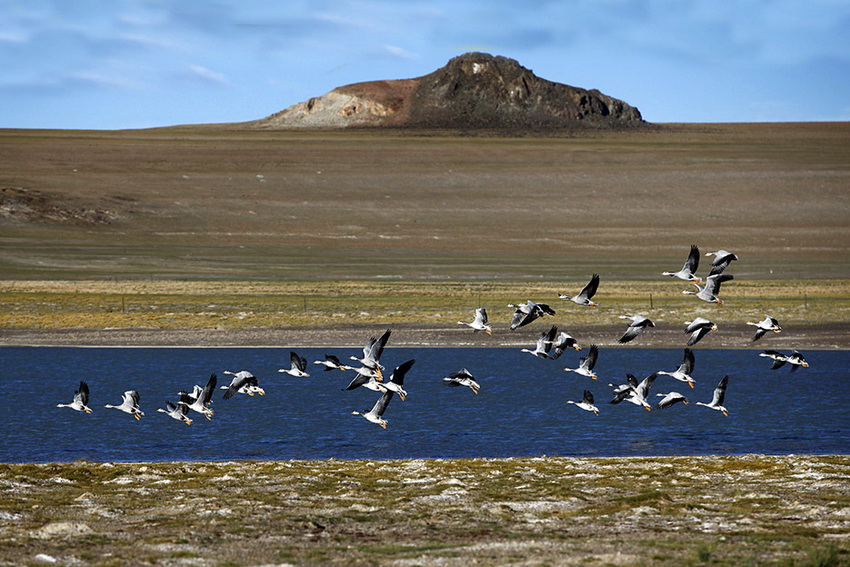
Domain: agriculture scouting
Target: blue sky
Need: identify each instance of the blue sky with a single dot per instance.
(139, 63)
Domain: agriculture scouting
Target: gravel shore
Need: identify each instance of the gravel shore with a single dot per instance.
(826, 336)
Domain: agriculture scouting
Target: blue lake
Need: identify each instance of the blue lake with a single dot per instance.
(521, 409)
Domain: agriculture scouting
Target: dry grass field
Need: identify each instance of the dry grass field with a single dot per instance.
(217, 235)
(217, 203)
(814, 314)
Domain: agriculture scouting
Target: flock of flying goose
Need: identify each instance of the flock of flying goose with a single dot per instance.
(368, 375)
(550, 345)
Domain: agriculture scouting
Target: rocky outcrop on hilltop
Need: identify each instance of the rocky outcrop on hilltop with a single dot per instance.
(473, 90)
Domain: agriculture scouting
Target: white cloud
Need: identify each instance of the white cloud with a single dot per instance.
(13, 36)
(102, 80)
(208, 75)
(400, 52)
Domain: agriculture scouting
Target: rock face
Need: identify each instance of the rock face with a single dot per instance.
(473, 90)
(19, 204)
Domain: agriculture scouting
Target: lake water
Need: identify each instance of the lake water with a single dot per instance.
(521, 409)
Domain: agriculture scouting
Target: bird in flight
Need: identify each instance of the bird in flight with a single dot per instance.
(585, 295)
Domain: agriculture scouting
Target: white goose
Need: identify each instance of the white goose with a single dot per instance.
(462, 378)
(525, 313)
(297, 366)
(332, 362)
(396, 381)
(698, 328)
(683, 372)
(177, 412)
(669, 399)
(778, 358)
(562, 342)
(635, 394)
(796, 359)
(367, 381)
(586, 403)
(716, 402)
(243, 382)
(129, 404)
(544, 344)
(631, 383)
(200, 398)
(722, 259)
(376, 414)
(81, 399)
(373, 373)
(586, 364)
(637, 326)
(765, 326)
(709, 291)
(372, 353)
(689, 270)
(584, 296)
(479, 322)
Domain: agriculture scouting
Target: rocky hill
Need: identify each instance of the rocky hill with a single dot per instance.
(473, 90)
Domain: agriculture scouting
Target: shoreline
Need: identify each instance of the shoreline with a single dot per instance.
(401, 460)
(825, 336)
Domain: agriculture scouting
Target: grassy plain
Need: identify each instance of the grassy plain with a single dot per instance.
(425, 312)
(746, 510)
(228, 204)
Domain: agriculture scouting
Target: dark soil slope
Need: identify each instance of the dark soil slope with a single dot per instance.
(473, 90)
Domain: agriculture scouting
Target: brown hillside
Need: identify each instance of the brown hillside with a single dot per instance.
(473, 90)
